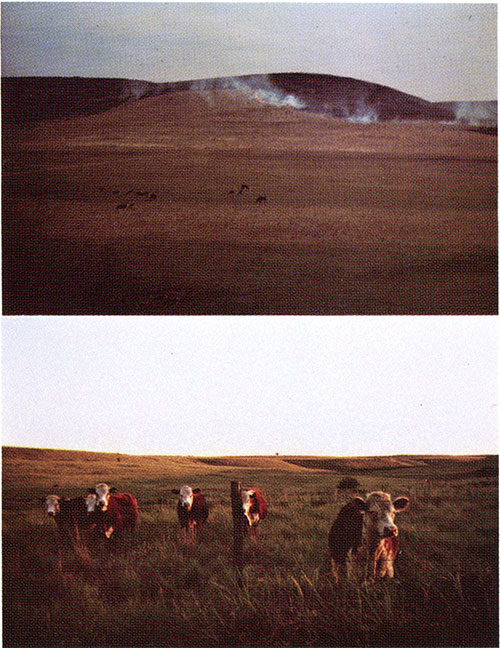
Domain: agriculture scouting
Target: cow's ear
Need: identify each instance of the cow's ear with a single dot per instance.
(112, 489)
(401, 503)
(176, 491)
(196, 491)
(359, 503)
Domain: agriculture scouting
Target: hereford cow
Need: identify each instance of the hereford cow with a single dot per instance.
(363, 539)
(192, 510)
(254, 509)
(117, 512)
(73, 523)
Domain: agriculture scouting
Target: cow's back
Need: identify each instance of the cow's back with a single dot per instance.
(123, 507)
(345, 533)
(260, 503)
(200, 508)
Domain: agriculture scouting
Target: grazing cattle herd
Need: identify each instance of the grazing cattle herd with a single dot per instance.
(363, 539)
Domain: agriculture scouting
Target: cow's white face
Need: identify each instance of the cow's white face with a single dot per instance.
(380, 513)
(186, 497)
(246, 502)
(102, 496)
(91, 501)
(53, 503)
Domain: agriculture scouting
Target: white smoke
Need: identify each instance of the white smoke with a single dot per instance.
(364, 113)
(256, 87)
(136, 89)
(476, 113)
(277, 98)
(361, 112)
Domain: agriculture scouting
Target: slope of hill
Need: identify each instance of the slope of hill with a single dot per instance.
(39, 98)
(26, 99)
(86, 465)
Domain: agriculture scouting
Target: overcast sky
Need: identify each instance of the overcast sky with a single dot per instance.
(435, 51)
(253, 385)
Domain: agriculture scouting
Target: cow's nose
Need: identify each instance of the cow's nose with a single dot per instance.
(390, 531)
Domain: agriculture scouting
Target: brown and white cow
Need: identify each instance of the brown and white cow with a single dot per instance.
(116, 512)
(73, 523)
(254, 509)
(192, 510)
(363, 539)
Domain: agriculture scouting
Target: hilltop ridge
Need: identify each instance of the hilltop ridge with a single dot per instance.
(27, 99)
(336, 464)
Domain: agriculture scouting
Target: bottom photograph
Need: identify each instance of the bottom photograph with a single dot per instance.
(250, 482)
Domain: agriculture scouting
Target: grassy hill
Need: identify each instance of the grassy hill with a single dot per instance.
(40, 98)
(137, 210)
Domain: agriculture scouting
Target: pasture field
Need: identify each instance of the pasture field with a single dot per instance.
(155, 591)
(138, 210)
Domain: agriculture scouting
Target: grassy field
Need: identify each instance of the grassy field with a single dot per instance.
(382, 218)
(155, 591)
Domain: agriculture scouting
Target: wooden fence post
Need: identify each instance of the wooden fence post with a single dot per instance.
(237, 524)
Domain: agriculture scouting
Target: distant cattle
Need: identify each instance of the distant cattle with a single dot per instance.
(254, 509)
(363, 539)
(117, 512)
(73, 523)
(192, 510)
(260, 199)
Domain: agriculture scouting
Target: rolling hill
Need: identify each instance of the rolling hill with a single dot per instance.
(39, 98)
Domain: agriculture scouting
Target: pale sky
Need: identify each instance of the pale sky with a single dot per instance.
(435, 51)
(252, 385)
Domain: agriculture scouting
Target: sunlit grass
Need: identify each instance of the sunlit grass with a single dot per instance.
(157, 591)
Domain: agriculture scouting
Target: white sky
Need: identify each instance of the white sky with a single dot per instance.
(435, 51)
(251, 385)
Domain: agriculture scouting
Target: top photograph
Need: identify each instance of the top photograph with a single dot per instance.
(249, 159)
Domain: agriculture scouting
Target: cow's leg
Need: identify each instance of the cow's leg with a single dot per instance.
(370, 569)
(254, 534)
(339, 571)
(335, 571)
(183, 535)
(381, 568)
(79, 545)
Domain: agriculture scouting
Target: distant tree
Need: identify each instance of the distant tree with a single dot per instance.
(348, 483)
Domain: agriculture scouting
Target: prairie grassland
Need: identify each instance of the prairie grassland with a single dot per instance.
(390, 218)
(155, 591)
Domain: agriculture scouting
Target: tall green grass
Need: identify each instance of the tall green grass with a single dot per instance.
(155, 591)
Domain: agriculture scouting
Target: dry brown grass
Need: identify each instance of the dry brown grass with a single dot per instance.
(359, 218)
(153, 591)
